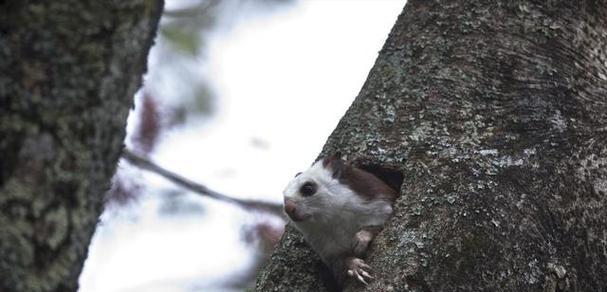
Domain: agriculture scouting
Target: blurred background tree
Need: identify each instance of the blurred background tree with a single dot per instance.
(69, 71)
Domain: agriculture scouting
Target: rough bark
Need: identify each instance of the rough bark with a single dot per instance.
(69, 72)
(495, 113)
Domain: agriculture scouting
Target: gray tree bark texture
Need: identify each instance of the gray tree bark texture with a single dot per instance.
(69, 69)
(495, 113)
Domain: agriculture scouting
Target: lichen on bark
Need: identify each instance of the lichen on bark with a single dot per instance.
(495, 112)
(69, 72)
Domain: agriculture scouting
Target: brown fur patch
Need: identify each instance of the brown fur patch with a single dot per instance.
(360, 181)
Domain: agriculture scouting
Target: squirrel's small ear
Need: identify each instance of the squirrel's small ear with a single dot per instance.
(335, 164)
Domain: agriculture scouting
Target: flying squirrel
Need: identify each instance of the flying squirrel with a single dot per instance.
(339, 209)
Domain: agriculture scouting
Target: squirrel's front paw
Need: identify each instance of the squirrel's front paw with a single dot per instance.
(361, 242)
(358, 269)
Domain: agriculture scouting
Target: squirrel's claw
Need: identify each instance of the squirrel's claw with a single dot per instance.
(356, 268)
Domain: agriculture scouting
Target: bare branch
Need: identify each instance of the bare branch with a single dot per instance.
(200, 189)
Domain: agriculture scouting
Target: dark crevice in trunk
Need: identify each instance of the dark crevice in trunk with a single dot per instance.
(392, 177)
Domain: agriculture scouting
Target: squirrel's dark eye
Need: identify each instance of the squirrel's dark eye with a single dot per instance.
(307, 189)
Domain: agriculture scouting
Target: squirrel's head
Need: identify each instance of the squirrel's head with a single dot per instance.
(317, 192)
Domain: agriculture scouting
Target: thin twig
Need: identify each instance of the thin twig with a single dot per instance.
(148, 165)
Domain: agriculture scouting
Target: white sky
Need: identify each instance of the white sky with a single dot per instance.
(282, 81)
(285, 79)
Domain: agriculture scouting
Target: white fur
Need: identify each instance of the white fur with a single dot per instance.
(336, 212)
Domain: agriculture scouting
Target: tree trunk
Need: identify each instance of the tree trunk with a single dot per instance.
(69, 72)
(495, 113)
